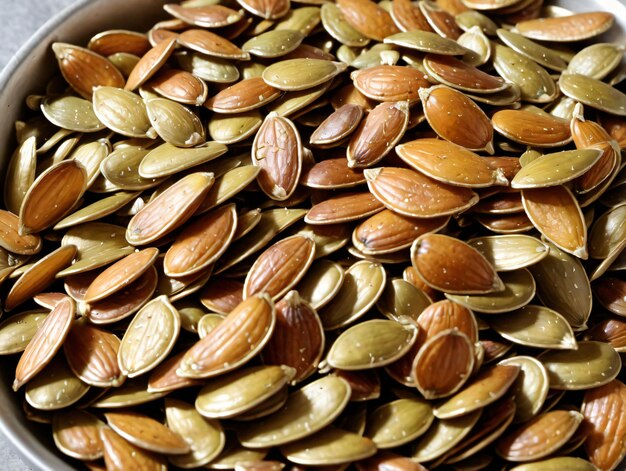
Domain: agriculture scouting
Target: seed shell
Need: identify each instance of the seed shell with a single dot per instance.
(530, 388)
(120, 454)
(77, 434)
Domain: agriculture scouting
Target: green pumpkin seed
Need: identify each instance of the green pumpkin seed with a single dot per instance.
(275, 43)
(557, 464)
(124, 62)
(303, 19)
(91, 155)
(510, 252)
(17, 331)
(56, 387)
(174, 123)
(530, 388)
(507, 97)
(327, 239)
(20, 174)
(336, 25)
(555, 169)
(608, 233)
(205, 437)
(72, 113)
(321, 283)
(596, 61)
(167, 159)
(519, 290)
(307, 410)
(477, 44)
(535, 326)
(74, 432)
(330, 447)
(473, 19)
(532, 50)
(376, 55)
(529, 156)
(98, 244)
(251, 70)
(442, 436)
(564, 108)
(149, 338)
(207, 323)
(399, 422)
(536, 85)
(371, 344)
(563, 285)
(238, 392)
(227, 186)
(121, 168)
(131, 393)
(97, 210)
(593, 93)
(363, 284)
(291, 102)
(267, 407)
(591, 365)
(301, 74)
(233, 128)
(210, 69)
(122, 111)
(234, 454)
(402, 299)
(425, 41)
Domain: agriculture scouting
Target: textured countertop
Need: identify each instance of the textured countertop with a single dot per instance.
(19, 19)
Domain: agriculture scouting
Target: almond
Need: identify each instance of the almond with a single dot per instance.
(458, 74)
(150, 63)
(531, 128)
(390, 83)
(246, 95)
(179, 86)
(340, 124)
(332, 174)
(408, 17)
(368, 18)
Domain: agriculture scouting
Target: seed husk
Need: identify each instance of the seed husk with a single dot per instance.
(211, 44)
(457, 74)
(368, 18)
(149, 64)
(307, 410)
(174, 123)
(530, 388)
(71, 113)
(398, 422)
(321, 283)
(77, 434)
(120, 454)
(596, 61)
(338, 27)
(425, 41)
(510, 252)
(20, 174)
(287, 75)
(593, 93)
(389, 83)
(535, 51)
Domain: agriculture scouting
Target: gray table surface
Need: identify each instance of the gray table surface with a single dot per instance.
(18, 20)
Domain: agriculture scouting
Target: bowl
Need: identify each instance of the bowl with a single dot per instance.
(27, 72)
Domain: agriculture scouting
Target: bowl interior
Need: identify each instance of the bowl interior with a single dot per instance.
(27, 73)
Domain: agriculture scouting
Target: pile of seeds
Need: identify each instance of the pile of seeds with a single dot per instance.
(310, 235)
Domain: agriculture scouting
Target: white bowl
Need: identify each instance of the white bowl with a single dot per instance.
(27, 73)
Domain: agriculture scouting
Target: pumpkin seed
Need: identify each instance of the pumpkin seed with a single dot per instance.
(72, 113)
(530, 388)
(122, 111)
(510, 252)
(596, 61)
(593, 93)
(56, 387)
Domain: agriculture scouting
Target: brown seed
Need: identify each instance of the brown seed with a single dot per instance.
(408, 16)
(611, 293)
(340, 124)
(244, 96)
(388, 461)
(450, 265)
(440, 20)
(539, 437)
(164, 378)
(532, 129)
(39, 276)
(278, 151)
(280, 267)
(390, 83)
(208, 16)
(567, 28)
(147, 433)
(458, 74)
(67, 181)
(211, 44)
(457, 119)
(450, 163)
(77, 434)
(383, 127)
(612, 331)
(222, 295)
(332, 174)
(604, 410)
(169, 209)
(298, 338)
(445, 315)
(150, 64)
(233, 342)
(388, 232)
(84, 69)
(201, 243)
(556, 214)
(412, 194)
(10, 238)
(179, 86)
(112, 42)
(92, 355)
(121, 274)
(268, 9)
(120, 455)
(443, 364)
(45, 343)
(368, 18)
(344, 208)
